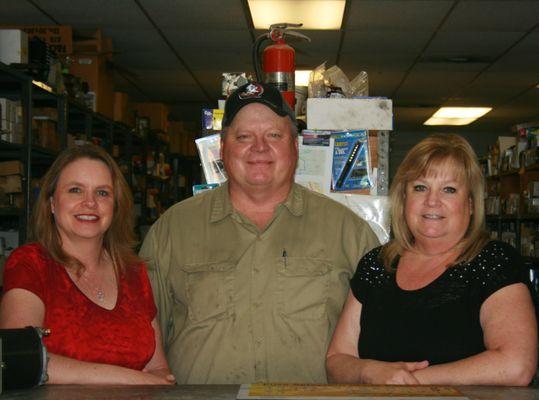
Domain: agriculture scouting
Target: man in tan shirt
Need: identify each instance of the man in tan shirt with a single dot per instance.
(250, 278)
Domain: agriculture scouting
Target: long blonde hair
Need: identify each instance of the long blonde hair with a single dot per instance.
(429, 153)
(119, 241)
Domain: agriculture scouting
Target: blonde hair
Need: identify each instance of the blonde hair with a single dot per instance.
(119, 240)
(425, 156)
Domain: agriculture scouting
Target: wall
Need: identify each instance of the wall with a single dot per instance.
(401, 142)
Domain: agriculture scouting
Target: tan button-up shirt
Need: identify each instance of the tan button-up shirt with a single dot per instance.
(237, 305)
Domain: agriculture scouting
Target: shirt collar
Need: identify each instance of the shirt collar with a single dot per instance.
(222, 206)
(295, 200)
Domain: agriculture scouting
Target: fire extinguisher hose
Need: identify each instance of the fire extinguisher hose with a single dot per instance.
(256, 53)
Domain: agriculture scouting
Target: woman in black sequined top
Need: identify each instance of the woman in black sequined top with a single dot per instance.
(440, 303)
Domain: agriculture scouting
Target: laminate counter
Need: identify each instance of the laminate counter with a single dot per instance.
(218, 392)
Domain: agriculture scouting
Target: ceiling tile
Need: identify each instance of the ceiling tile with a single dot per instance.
(495, 15)
(471, 44)
(396, 15)
(200, 15)
(92, 14)
(18, 12)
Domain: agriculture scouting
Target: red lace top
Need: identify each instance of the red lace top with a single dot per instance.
(81, 329)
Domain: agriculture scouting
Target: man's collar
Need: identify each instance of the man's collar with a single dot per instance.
(295, 200)
(222, 206)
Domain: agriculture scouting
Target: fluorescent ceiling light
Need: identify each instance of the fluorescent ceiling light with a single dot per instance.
(456, 115)
(302, 78)
(313, 14)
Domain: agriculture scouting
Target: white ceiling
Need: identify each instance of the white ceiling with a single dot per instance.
(174, 51)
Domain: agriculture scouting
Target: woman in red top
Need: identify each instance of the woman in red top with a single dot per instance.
(82, 279)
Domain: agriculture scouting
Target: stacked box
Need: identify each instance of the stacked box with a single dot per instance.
(182, 138)
(121, 108)
(11, 121)
(13, 46)
(59, 38)
(95, 70)
(156, 112)
(11, 184)
(90, 62)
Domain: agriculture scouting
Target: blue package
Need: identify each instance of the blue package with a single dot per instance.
(351, 161)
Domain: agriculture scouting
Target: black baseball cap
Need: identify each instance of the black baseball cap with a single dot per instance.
(254, 92)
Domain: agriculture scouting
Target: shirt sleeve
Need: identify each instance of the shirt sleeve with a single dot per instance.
(502, 266)
(155, 251)
(367, 270)
(25, 269)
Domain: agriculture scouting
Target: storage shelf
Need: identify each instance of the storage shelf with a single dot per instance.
(73, 117)
(11, 211)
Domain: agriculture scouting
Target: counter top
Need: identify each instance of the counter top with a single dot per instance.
(218, 392)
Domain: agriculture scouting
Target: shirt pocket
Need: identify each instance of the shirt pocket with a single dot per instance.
(303, 287)
(209, 290)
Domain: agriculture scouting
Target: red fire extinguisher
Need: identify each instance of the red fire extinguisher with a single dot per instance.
(278, 59)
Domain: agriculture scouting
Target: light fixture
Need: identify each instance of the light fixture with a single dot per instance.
(313, 14)
(456, 115)
(42, 86)
(302, 77)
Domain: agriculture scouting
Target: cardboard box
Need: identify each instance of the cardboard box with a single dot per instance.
(175, 130)
(58, 37)
(45, 113)
(11, 168)
(341, 114)
(88, 41)
(95, 70)
(11, 183)
(13, 46)
(8, 114)
(157, 112)
(182, 138)
(121, 107)
(504, 142)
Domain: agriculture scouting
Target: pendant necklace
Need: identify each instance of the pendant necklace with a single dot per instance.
(100, 294)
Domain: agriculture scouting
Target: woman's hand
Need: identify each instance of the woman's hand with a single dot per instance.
(162, 373)
(392, 373)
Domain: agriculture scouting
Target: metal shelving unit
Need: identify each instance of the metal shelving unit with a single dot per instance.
(72, 118)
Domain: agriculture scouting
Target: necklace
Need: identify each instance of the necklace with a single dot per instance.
(100, 295)
(99, 292)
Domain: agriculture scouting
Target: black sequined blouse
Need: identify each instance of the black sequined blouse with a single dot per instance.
(439, 322)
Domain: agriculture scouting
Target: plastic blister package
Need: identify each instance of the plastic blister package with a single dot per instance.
(373, 209)
(317, 87)
(359, 86)
(209, 149)
(324, 82)
(351, 163)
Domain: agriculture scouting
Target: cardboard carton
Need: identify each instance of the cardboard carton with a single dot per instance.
(95, 70)
(58, 37)
(11, 168)
(121, 107)
(157, 112)
(11, 183)
(13, 46)
(371, 113)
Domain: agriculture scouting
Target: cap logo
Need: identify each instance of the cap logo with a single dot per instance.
(253, 90)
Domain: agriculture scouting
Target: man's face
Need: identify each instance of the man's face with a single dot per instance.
(258, 151)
